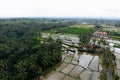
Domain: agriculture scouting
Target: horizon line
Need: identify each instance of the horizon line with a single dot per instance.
(62, 17)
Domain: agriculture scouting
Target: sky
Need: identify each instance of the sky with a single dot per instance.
(60, 8)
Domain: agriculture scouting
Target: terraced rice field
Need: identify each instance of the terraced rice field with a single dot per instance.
(76, 64)
(82, 65)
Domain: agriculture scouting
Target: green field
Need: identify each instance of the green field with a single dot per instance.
(76, 29)
(115, 37)
(83, 26)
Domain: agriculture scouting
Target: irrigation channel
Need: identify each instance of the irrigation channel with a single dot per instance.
(77, 65)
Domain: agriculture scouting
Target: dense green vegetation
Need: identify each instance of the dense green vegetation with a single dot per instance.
(23, 53)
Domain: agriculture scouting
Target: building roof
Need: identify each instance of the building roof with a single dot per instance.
(100, 32)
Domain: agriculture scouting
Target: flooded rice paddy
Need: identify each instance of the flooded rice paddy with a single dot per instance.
(78, 64)
(82, 65)
(75, 64)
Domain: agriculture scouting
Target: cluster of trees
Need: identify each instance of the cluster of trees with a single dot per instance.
(98, 27)
(23, 53)
(109, 64)
(85, 36)
(40, 23)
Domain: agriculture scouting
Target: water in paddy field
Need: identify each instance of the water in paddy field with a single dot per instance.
(81, 64)
(75, 64)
